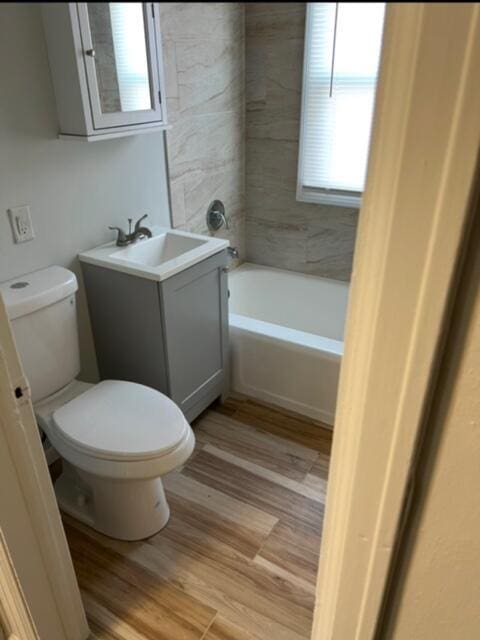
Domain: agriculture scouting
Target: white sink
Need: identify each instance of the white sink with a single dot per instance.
(158, 250)
(168, 252)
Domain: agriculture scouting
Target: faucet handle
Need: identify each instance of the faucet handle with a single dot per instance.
(121, 237)
(139, 221)
(216, 216)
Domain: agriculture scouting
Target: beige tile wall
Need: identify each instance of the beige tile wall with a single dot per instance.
(280, 231)
(214, 53)
(204, 51)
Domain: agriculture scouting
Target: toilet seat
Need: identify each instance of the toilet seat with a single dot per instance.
(65, 430)
(120, 421)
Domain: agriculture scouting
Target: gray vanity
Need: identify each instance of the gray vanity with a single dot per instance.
(159, 314)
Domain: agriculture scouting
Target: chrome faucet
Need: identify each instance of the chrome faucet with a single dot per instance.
(124, 238)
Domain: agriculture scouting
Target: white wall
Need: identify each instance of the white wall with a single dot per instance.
(437, 587)
(75, 189)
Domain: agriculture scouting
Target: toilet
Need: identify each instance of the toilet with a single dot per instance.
(116, 438)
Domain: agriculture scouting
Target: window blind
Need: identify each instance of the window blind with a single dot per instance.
(342, 52)
(128, 33)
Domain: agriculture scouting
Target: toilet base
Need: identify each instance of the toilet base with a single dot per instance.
(122, 509)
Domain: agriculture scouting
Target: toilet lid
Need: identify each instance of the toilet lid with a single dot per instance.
(121, 420)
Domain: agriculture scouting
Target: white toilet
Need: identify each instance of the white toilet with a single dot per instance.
(116, 438)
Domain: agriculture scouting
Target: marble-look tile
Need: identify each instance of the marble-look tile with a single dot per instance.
(269, 123)
(276, 245)
(225, 184)
(255, 77)
(280, 231)
(321, 237)
(207, 141)
(329, 248)
(202, 20)
(177, 203)
(279, 207)
(210, 75)
(170, 67)
(272, 164)
(284, 73)
(274, 77)
(275, 25)
(173, 110)
(204, 65)
(335, 267)
(273, 8)
(289, 247)
(235, 234)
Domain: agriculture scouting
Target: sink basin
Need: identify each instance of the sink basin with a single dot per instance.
(158, 250)
(166, 253)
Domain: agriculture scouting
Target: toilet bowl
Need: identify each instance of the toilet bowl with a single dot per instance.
(116, 438)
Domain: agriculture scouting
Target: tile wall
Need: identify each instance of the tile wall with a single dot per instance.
(243, 149)
(280, 231)
(204, 52)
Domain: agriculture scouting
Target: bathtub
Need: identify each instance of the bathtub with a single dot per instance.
(286, 337)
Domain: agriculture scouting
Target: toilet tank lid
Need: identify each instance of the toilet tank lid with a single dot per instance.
(33, 291)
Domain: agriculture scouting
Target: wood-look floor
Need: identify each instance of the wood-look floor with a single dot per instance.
(238, 558)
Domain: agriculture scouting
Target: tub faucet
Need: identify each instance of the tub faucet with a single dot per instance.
(124, 238)
(233, 252)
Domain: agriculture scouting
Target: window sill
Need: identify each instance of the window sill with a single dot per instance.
(323, 196)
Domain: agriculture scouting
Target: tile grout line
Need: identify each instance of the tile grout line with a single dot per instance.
(209, 626)
(266, 474)
(311, 467)
(280, 572)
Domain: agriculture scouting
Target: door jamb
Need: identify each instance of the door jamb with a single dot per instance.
(416, 210)
(25, 449)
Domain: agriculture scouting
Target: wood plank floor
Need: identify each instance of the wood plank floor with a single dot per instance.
(238, 558)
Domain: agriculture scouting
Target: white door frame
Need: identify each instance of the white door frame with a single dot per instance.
(416, 210)
(15, 618)
(33, 542)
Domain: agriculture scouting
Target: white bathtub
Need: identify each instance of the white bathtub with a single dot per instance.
(286, 336)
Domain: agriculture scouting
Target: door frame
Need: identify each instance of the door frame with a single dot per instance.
(416, 212)
(15, 618)
(422, 167)
(34, 545)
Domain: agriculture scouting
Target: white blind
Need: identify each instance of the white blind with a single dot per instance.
(128, 32)
(343, 43)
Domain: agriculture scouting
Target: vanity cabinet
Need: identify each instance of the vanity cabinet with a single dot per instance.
(171, 335)
(106, 65)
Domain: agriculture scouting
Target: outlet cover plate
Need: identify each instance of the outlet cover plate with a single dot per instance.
(21, 223)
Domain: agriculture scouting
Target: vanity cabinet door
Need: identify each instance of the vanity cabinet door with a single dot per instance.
(195, 312)
(121, 48)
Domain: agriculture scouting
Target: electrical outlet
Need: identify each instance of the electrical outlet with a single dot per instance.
(21, 224)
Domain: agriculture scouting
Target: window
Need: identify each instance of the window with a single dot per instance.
(342, 52)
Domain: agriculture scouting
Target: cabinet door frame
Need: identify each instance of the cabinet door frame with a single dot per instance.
(102, 121)
(168, 288)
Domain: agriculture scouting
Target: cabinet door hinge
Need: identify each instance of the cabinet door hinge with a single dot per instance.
(153, 10)
(160, 97)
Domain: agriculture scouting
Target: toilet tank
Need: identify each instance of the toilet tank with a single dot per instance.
(41, 308)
